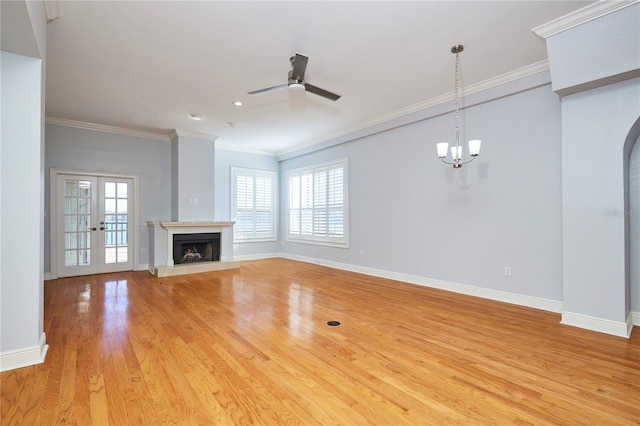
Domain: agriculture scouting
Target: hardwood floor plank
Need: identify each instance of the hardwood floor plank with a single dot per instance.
(252, 347)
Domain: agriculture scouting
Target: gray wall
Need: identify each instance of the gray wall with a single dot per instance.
(22, 78)
(602, 51)
(411, 214)
(224, 161)
(193, 173)
(79, 149)
(20, 207)
(596, 124)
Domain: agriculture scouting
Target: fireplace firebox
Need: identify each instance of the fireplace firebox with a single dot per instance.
(191, 248)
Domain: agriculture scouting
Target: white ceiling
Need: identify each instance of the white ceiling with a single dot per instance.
(146, 65)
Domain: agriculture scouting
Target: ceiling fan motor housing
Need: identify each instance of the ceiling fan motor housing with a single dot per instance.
(293, 80)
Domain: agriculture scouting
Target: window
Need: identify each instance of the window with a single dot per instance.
(317, 204)
(253, 204)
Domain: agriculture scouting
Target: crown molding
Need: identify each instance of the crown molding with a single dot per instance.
(193, 135)
(231, 147)
(581, 16)
(52, 9)
(490, 83)
(103, 128)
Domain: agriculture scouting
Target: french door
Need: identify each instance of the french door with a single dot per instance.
(94, 219)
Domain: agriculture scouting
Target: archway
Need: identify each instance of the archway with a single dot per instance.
(632, 217)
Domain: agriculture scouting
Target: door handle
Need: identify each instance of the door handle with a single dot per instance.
(93, 229)
(102, 228)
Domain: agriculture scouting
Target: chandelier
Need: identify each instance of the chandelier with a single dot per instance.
(456, 150)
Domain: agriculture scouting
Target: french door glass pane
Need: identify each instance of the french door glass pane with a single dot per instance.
(70, 188)
(84, 205)
(115, 222)
(122, 206)
(71, 257)
(70, 222)
(71, 205)
(110, 189)
(110, 255)
(77, 214)
(122, 190)
(109, 206)
(83, 257)
(122, 254)
(84, 187)
(84, 240)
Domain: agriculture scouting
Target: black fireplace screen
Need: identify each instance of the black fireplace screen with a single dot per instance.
(189, 248)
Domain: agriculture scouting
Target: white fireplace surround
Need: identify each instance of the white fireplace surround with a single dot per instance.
(162, 256)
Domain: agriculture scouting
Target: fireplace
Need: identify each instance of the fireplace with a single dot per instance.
(192, 248)
(179, 248)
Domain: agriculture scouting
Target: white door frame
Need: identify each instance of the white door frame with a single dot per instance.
(53, 215)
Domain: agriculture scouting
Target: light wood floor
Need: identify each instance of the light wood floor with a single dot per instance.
(252, 346)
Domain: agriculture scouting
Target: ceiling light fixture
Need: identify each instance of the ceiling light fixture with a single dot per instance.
(237, 103)
(195, 116)
(474, 144)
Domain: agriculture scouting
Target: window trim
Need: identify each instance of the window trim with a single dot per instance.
(242, 171)
(344, 243)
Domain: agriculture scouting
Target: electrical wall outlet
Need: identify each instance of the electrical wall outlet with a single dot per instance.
(507, 271)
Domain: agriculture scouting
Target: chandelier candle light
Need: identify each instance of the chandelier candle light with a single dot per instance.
(456, 150)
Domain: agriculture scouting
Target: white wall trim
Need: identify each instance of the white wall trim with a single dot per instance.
(602, 325)
(142, 267)
(31, 355)
(228, 146)
(48, 276)
(193, 135)
(103, 128)
(635, 318)
(259, 256)
(485, 293)
(52, 9)
(581, 16)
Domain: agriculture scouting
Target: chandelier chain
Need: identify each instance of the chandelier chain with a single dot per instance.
(456, 101)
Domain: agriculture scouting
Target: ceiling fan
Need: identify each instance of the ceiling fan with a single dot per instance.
(296, 80)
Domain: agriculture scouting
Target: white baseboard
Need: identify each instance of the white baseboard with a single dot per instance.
(32, 355)
(142, 267)
(635, 318)
(486, 293)
(48, 276)
(257, 256)
(602, 325)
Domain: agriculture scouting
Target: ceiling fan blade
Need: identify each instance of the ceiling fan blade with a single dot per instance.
(318, 91)
(268, 89)
(299, 67)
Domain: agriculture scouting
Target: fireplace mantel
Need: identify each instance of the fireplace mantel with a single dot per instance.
(163, 254)
(193, 224)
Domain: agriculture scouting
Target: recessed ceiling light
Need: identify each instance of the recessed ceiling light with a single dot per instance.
(237, 103)
(232, 123)
(195, 116)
